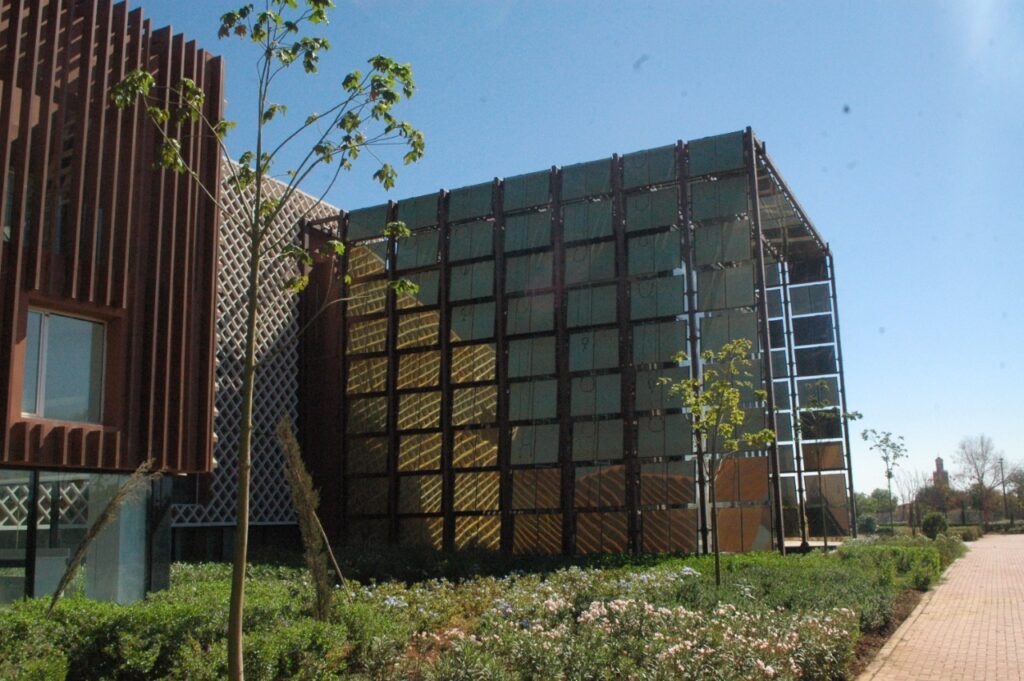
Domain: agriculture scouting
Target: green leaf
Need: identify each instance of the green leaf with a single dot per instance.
(297, 284)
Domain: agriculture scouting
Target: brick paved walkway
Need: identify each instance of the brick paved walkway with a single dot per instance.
(970, 627)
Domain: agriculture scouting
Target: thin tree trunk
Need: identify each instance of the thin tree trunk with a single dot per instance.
(236, 668)
(714, 523)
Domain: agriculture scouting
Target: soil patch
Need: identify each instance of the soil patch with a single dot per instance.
(870, 643)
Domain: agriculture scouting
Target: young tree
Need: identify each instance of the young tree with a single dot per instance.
(359, 119)
(717, 417)
(978, 461)
(891, 448)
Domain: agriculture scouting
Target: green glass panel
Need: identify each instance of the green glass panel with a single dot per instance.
(590, 350)
(652, 166)
(534, 444)
(732, 287)
(715, 154)
(591, 306)
(653, 209)
(815, 361)
(366, 222)
(587, 220)
(528, 272)
(812, 330)
(593, 440)
(593, 262)
(417, 212)
(772, 272)
(473, 322)
(722, 242)
(818, 392)
(532, 400)
(584, 437)
(531, 314)
(527, 231)
(716, 200)
(659, 252)
(718, 330)
(650, 394)
(469, 202)
(531, 357)
(595, 395)
(418, 250)
(526, 191)
(781, 394)
(656, 343)
(427, 295)
(471, 240)
(475, 280)
(784, 426)
(665, 435)
(586, 179)
(609, 439)
(662, 297)
(780, 364)
(810, 299)
(775, 303)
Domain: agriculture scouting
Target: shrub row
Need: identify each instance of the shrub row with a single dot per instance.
(640, 617)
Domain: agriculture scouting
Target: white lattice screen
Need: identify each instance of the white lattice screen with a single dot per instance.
(277, 378)
(73, 499)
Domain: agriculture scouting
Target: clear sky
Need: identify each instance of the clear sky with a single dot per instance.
(898, 125)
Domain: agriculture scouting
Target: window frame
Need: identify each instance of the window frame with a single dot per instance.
(41, 367)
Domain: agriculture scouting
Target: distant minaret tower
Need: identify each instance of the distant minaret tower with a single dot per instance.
(940, 478)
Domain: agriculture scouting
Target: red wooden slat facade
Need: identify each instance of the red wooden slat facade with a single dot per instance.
(98, 232)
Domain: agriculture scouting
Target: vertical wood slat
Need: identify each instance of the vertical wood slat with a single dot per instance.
(12, 41)
(82, 128)
(136, 53)
(207, 264)
(44, 150)
(180, 270)
(85, 271)
(160, 59)
(165, 336)
(115, 175)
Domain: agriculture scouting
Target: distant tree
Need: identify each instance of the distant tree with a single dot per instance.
(865, 505)
(891, 448)
(978, 461)
(910, 483)
(935, 498)
(714, 403)
(882, 501)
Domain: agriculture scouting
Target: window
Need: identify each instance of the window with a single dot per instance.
(63, 368)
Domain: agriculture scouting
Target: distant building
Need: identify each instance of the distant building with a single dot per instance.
(940, 477)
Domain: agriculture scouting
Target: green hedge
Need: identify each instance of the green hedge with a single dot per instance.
(497, 626)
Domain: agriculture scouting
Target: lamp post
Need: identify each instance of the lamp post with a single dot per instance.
(1006, 500)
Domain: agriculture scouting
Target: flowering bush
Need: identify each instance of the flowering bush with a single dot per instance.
(645, 618)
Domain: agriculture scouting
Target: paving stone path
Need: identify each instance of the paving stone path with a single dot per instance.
(970, 627)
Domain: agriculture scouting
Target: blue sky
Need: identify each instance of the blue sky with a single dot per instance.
(899, 127)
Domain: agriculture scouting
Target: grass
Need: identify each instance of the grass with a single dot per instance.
(461, 617)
